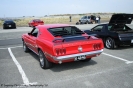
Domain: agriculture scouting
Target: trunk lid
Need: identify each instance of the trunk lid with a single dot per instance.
(121, 19)
(80, 44)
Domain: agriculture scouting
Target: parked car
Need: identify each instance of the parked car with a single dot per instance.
(60, 43)
(85, 20)
(9, 24)
(35, 22)
(116, 32)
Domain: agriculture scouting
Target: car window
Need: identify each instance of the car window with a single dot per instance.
(34, 32)
(85, 17)
(88, 17)
(109, 27)
(65, 31)
(98, 28)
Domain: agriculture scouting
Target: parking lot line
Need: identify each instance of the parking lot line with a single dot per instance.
(126, 61)
(11, 47)
(24, 77)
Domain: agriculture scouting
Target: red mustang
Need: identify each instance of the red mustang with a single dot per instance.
(60, 43)
(35, 22)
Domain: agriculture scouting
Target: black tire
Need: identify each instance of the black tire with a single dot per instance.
(86, 60)
(44, 63)
(4, 27)
(110, 43)
(87, 22)
(25, 48)
(15, 27)
(131, 45)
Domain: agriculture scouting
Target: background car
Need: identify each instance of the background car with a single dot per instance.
(35, 22)
(116, 32)
(60, 43)
(9, 24)
(87, 20)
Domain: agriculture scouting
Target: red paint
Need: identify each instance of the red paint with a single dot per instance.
(35, 22)
(45, 42)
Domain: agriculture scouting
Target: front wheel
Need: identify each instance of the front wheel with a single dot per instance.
(25, 48)
(44, 63)
(110, 43)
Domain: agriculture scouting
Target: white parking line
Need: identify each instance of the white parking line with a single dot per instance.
(122, 59)
(24, 77)
(126, 61)
(11, 47)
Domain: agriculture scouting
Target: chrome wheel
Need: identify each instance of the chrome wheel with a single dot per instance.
(41, 59)
(109, 43)
(44, 63)
(25, 48)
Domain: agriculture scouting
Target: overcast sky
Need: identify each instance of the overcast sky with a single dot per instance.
(19, 8)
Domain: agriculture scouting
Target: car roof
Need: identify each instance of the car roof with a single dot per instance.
(8, 20)
(47, 26)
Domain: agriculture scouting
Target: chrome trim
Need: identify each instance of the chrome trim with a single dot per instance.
(33, 51)
(66, 57)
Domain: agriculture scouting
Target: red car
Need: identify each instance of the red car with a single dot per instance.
(60, 43)
(35, 22)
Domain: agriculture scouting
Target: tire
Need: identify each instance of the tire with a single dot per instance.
(15, 27)
(81, 23)
(4, 27)
(110, 43)
(44, 63)
(87, 22)
(86, 60)
(25, 48)
(131, 45)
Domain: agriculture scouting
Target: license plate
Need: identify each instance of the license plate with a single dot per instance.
(80, 57)
(9, 25)
(132, 41)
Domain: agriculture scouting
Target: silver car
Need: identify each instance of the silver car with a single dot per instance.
(85, 20)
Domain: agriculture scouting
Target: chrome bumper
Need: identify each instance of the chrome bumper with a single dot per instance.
(67, 57)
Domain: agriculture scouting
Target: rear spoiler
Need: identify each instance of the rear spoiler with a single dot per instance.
(57, 40)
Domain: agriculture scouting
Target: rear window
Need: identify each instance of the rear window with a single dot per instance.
(9, 21)
(37, 20)
(65, 31)
(118, 28)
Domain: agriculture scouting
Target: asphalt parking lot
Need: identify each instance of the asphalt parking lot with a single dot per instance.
(112, 69)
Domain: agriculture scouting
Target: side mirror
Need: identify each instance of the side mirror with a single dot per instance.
(29, 33)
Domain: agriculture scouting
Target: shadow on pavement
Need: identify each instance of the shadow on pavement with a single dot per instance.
(66, 66)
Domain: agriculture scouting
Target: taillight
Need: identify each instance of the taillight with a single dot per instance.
(97, 46)
(60, 51)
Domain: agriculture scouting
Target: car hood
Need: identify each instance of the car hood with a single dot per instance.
(121, 19)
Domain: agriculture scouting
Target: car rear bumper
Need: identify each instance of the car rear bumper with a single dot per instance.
(9, 25)
(67, 57)
(125, 41)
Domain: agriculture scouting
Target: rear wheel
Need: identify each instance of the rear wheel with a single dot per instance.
(110, 43)
(15, 27)
(131, 45)
(87, 22)
(4, 27)
(44, 63)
